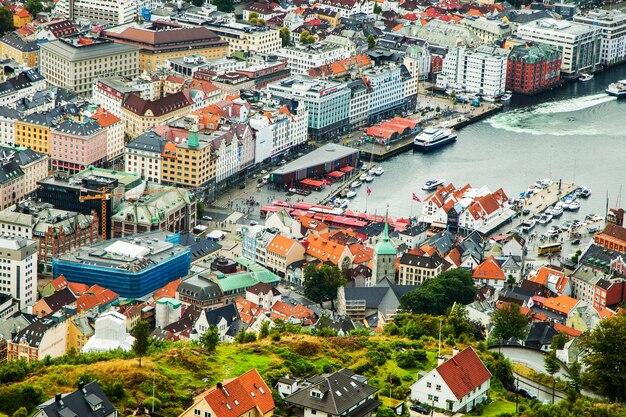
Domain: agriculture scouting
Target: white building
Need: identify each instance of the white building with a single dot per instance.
(612, 33)
(347, 8)
(246, 37)
(110, 92)
(481, 71)
(7, 125)
(457, 385)
(417, 60)
(579, 43)
(23, 84)
(143, 156)
(386, 90)
(168, 311)
(301, 58)
(116, 12)
(278, 130)
(18, 269)
(110, 334)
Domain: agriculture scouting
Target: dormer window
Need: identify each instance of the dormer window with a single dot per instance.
(316, 394)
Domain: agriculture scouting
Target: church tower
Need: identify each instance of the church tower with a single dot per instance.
(385, 254)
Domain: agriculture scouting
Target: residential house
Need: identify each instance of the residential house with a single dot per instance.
(225, 318)
(489, 273)
(110, 334)
(326, 250)
(87, 401)
(456, 385)
(39, 339)
(79, 330)
(613, 237)
(284, 223)
(53, 303)
(540, 335)
(263, 295)
(246, 395)
(552, 278)
(415, 269)
(283, 251)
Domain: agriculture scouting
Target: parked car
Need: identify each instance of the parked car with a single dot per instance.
(253, 223)
(207, 218)
(420, 408)
(526, 393)
(242, 186)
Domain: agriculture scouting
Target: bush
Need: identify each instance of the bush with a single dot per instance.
(151, 400)
(131, 404)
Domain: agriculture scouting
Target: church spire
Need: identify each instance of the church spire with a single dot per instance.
(386, 230)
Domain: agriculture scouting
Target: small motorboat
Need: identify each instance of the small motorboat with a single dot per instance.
(545, 219)
(379, 171)
(556, 211)
(527, 225)
(343, 204)
(573, 206)
(583, 192)
(363, 176)
(525, 212)
(433, 184)
(585, 77)
(369, 178)
(356, 184)
(351, 194)
(543, 183)
(506, 97)
(364, 167)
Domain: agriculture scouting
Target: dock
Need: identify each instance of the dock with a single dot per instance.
(547, 197)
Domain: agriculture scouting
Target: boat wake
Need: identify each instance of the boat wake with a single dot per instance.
(543, 119)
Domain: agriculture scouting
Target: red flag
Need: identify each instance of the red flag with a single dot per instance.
(369, 191)
(416, 198)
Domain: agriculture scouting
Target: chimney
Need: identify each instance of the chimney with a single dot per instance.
(219, 385)
(440, 360)
(455, 351)
(81, 385)
(57, 397)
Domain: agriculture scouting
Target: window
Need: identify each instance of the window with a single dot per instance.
(438, 387)
(207, 414)
(429, 385)
(313, 411)
(436, 399)
(196, 412)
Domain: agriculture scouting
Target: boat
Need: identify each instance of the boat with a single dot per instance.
(371, 171)
(543, 183)
(506, 97)
(379, 171)
(527, 225)
(489, 99)
(526, 212)
(431, 138)
(575, 242)
(363, 176)
(351, 194)
(433, 184)
(583, 192)
(617, 89)
(356, 184)
(364, 167)
(369, 178)
(573, 206)
(556, 211)
(343, 204)
(585, 77)
(544, 219)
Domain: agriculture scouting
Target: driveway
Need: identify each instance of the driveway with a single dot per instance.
(544, 393)
(531, 358)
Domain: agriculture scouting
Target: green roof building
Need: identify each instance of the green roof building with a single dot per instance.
(385, 253)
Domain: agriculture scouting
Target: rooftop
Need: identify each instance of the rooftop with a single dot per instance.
(327, 153)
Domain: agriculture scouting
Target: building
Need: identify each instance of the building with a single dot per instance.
(384, 261)
(99, 11)
(87, 401)
(20, 169)
(246, 37)
(132, 267)
(489, 273)
(330, 157)
(79, 330)
(481, 70)
(301, 58)
(415, 269)
(56, 231)
(12, 46)
(613, 237)
(246, 395)
(140, 115)
(283, 251)
(612, 32)
(579, 43)
(21, 16)
(190, 164)
(110, 334)
(532, 68)
(165, 208)
(488, 30)
(162, 40)
(348, 8)
(342, 393)
(75, 63)
(75, 145)
(21, 85)
(386, 88)
(143, 156)
(327, 102)
(39, 339)
(110, 92)
(456, 385)
(18, 272)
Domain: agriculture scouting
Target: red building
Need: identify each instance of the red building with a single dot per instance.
(436, 65)
(532, 68)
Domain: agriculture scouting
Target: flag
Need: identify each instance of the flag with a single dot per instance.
(416, 198)
(369, 191)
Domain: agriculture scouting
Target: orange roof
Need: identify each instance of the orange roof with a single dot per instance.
(59, 283)
(281, 244)
(21, 11)
(324, 249)
(489, 269)
(169, 290)
(169, 150)
(248, 311)
(311, 223)
(561, 328)
(105, 118)
(361, 253)
(283, 310)
(203, 85)
(78, 289)
(95, 296)
(454, 256)
(546, 274)
(605, 313)
(248, 390)
(474, 12)
(561, 304)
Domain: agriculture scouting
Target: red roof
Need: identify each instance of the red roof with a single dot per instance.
(248, 390)
(489, 269)
(464, 372)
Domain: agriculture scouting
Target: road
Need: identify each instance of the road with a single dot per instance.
(531, 358)
(544, 393)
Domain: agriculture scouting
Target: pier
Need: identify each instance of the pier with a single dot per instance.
(547, 197)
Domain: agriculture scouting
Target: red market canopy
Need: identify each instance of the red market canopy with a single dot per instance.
(336, 174)
(346, 169)
(312, 183)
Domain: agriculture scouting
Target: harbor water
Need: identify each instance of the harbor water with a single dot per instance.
(576, 133)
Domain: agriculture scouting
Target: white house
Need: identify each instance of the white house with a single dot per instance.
(456, 385)
(264, 295)
(110, 334)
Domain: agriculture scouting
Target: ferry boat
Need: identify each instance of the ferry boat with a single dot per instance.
(433, 184)
(585, 77)
(432, 138)
(617, 89)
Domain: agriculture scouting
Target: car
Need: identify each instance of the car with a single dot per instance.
(242, 186)
(260, 185)
(207, 218)
(526, 393)
(253, 223)
(419, 408)
(264, 172)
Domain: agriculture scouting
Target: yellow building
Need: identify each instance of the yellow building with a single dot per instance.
(34, 132)
(14, 47)
(245, 396)
(78, 332)
(191, 164)
(163, 41)
(140, 115)
(329, 16)
(21, 17)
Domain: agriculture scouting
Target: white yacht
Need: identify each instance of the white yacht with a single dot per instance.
(431, 138)
(617, 89)
(379, 171)
(433, 184)
(585, 77)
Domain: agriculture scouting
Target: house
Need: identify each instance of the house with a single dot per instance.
(87, 401)
(39, 339)
(281, 252)
(79, 331)
(489, 273)
(613, 237)
(413, 236)
(327, 250)
(246, 395)
(342, 393)
(415, 269)
(540, 335)
(552, 278)
(110, 334)
(456, 385)
(561, 304)
(225, 318)
(263, 295)
(284, 223)
(54, 302)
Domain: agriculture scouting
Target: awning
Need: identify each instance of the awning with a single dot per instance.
(312, 183)
(336, 174)
(346, 169)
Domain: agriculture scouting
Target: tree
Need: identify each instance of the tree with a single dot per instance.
(509, 322)
(285, 36)
(6, 21)
(605, 357)
(321, 283)
(306, 37)
(225, 6)
(377, 9)
(435, 296)
(141, 334)
(576, 256)
(197, 3)
(558, 341)
(264, 330)
(574, 379)
(199, 209)
(385, 412)
(253, 15)
(34, 7)
(210, 339)
(371, 42)
(551, 363)
(21, 412)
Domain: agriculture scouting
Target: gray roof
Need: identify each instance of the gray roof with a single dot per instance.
(430, 262)
(148, 142)
(199, 288)
(340, 392)
(374, 295)
(327, 153)
(81, 402)
(13, 40)
(64, 48)
(9, 171)
(87, 128)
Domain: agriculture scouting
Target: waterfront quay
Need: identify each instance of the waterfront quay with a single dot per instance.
(548, 196)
